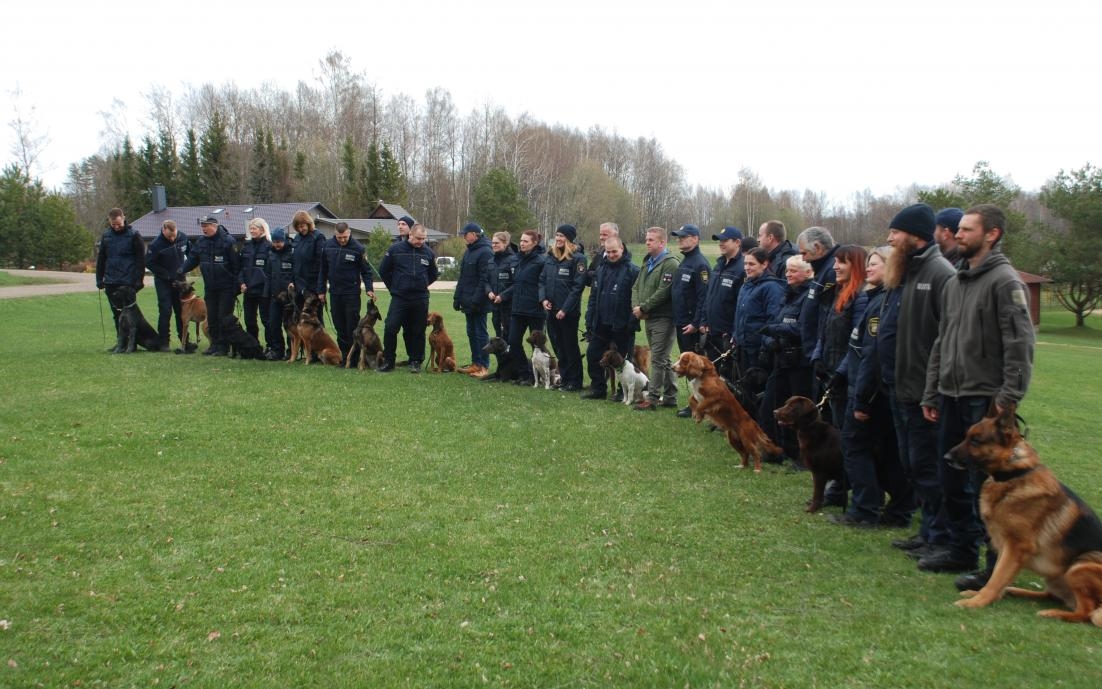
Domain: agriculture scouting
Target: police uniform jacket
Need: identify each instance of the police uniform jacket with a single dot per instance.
(164, 258)
(564, 281)
(862, 365)
(759, 301)
(408, 271)
(690, 289)
(609, 306)
(782, 334)
(474, 278)
(501, 273)
(121, 258)
(778, 258)
(344, 268)
(820, 299)
(280, 269)
(723, 289)
(525, 290)
(254, 261)
(307, 257)
(217, 259)
(834, 344)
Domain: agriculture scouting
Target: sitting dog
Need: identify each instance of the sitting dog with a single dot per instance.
(506, 367)
(633, 382)
(441, 347)
(133, 328)
(242, 344)
(365, 341)
(315, 341)
(713, 400)
(640, 356)
(291, 317)
(541, 360)
(193, 309)
(820, 445)
(1035, 522)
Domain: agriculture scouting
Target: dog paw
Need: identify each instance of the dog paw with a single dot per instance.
(968, 594)
(970, 602)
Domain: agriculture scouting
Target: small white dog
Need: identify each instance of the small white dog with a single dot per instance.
(633, 382)
(541, 369)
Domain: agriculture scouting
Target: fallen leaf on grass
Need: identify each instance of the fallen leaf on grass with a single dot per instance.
(214, 635)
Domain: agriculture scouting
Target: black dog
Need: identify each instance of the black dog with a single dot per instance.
(506, 366)
(133, 328)
(242, 344)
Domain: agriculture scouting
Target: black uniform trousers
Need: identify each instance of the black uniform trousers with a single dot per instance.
(168, 303)
(518, 324)
(253, 306)
(564, 339)
(598, 345)
(345, 309)
(410, 316)
(219, 305)
(274, 337)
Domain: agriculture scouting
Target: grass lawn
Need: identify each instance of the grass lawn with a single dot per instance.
(9, 280)
(182, 521)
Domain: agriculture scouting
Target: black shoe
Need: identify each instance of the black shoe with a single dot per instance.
(684, 413)
(526, 382)
(415, 367)
(669, 404)
(191, 347)
(221, 351)
(210, 351)
(947, 561)
(386, 367)
(570, 387)
(926, 551)
(592, 394)
(916, 541)
(887, 522)
(849, 520)
(834, 501)
(973, 581)
(619, 396)
(490, 377)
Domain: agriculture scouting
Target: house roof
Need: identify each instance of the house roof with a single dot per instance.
(1030, 278)
(361, 227)
(235, 218)
(391, 211)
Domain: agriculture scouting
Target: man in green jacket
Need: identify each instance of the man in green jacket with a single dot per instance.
(653, 305)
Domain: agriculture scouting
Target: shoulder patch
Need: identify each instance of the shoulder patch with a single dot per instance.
(667, 277)
(874, 326)
(704, 276)
(1018, 295)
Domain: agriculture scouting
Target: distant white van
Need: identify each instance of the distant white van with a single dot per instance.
(443, 262)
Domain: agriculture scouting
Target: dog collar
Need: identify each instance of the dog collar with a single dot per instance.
(1002, 476)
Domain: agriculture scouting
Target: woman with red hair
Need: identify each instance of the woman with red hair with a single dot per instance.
(850, 300)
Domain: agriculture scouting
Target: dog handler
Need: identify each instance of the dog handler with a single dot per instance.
(121, 259)
(344, 267)
(472, 292)
(164, 257)
(407, 269)
(216, 255)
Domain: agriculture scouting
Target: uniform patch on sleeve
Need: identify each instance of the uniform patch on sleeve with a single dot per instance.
(1019, 298)
(874, 326)
(704, 276)
(667, 278)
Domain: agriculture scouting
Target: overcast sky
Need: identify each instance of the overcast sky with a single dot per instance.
(835, 97)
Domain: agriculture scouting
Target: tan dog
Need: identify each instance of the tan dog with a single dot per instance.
(641, 358)
(1035, 522)
(366, 345)
(441, 347)
(193, 310)
(315, 341)
(712, 399)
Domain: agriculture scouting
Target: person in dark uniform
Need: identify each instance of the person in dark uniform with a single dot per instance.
(407, 269)
(689, 293)
(524, 294)
(563, 283)
(254, 260)
(216, 255)
(723, 288)
(501, 278)
(164, 257)
(344, 267)
(472, 295)
(280, 273)
(120, 261)
(404, 224)
(309, 252)
(608, 316)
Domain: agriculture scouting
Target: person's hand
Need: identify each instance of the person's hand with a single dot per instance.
(321, 298)
(371, 296)
(560, 315)
(930, 414)
(688, 329)
(546, 305)
(861, 416)
(243, 288)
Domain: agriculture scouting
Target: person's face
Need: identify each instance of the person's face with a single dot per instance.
(117, 223)
(417, 238)
(900, 240)
(255, 232)
(604, 232)
(526, 243)
(875, 270)
(687, 243)
(497, 245)
(209, 229)
(654, 244)
(169, 233)
(729, 248)
(278, 244)
(794, 275)
(971, 238)
(560, 240)
(810, 253)
(613, 252)
(302, 228)
(343, 237)
(753, 268)
(841, 271)
(470, 238)
(403, 228)
(765, 240)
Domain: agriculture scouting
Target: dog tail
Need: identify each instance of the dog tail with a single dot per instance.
(1096, 617)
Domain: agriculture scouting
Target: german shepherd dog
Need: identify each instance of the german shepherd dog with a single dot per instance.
(134, 330)
(712, 399)
(366, 345)
(193, 309)
(1035, 522)
(242, 344)
(315, 341)
(442, 349)
(291, 315)
(820, 445)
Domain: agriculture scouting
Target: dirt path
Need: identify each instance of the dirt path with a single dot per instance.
(68, 283)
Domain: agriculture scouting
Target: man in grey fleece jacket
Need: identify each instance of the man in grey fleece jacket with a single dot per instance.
(983, 354)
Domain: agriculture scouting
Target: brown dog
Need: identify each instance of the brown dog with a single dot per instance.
(315, 341)
(641, 358)
(820, 445)
(365, 341)
(712, 399)
(291, 318)
(193, 310)
(1035, 522)
(441, 347)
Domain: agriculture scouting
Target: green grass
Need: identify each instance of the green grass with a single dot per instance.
(176, 520)
(9, 280)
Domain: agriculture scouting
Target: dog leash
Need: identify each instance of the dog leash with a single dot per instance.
(822, 402)
(102, 327)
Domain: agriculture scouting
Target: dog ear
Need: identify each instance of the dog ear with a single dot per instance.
(992, 410)
(1007, 421)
